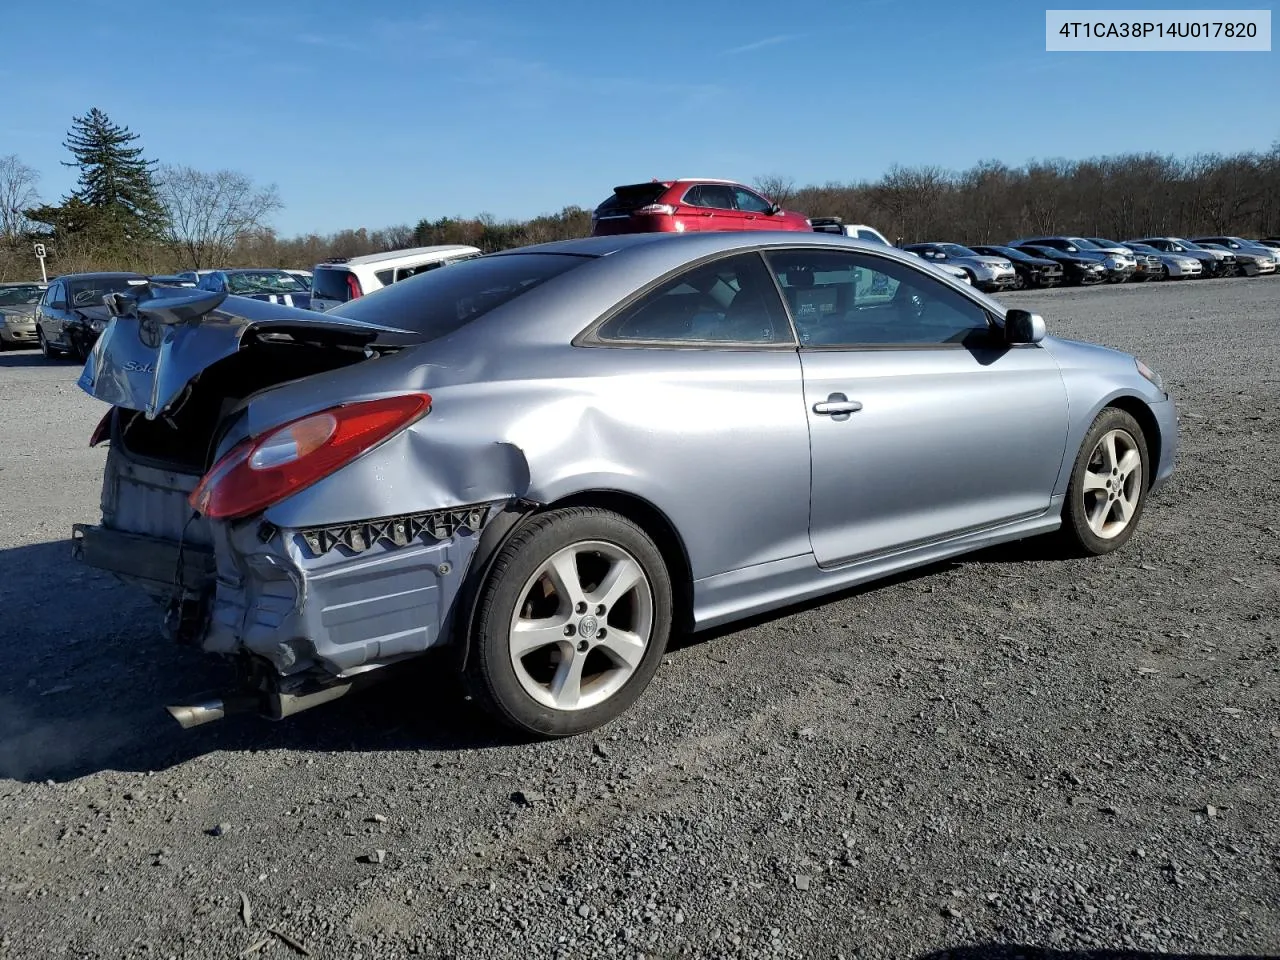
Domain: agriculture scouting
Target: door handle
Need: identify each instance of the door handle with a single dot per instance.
(837, 404)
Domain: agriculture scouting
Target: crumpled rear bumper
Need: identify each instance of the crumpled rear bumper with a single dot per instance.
(341, 599)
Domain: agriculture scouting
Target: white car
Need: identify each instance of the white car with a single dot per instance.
(341, 280)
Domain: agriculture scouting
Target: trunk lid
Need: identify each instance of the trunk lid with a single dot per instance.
(159, 339)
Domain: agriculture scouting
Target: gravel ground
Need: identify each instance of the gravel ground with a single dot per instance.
(1069, 756)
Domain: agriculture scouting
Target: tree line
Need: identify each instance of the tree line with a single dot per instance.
(129, 212)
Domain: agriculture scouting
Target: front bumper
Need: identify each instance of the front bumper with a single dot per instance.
(18, 333)
(1166, 415)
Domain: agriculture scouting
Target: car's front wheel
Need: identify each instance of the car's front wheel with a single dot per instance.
(49, 353)
(1108, 486)
(571, 624)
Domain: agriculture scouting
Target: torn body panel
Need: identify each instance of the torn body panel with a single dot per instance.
(160, 339)
(332, 600)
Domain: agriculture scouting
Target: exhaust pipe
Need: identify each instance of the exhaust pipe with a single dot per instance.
(274, 705)
(194, 714)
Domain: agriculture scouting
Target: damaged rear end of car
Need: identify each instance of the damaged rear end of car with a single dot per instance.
(255, 487)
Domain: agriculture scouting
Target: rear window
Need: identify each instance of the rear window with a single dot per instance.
(439, 302)
(633, 197)
(330, 284)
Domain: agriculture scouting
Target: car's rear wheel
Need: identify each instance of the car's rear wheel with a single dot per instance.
(571, 623)
(1108, 488)
(1019, 282)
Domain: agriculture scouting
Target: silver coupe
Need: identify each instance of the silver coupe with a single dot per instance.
(545, 461)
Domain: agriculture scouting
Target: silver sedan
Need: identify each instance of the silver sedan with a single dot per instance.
(549, 460)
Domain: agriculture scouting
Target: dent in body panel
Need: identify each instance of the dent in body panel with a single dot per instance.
(732, 476)
(341, 609)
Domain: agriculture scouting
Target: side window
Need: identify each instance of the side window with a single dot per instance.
(868, 235)
(853, 300)
(404, 273)
(55, 297)
(715, 195)
(732, 300)
(693, 197)
(386, 277)
(748, 202)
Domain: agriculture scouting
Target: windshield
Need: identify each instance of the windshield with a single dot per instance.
(263, 281)
(1186, 243)
(17, 296)
(89, 293)
(1103, 242)
(437, 303)
(1082, 243)
(1141, 248)
(955, 250)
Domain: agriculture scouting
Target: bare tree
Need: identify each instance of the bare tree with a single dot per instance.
(17, 195)
(776, 187)
(208, 214)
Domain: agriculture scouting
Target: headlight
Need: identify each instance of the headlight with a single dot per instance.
(1151, 375)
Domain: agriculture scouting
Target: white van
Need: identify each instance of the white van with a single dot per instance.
(339, 280)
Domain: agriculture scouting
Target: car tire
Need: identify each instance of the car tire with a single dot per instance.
(612, 637)
(1108, 488)
(47, 351)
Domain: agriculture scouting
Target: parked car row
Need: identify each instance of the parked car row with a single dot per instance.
(695, 204)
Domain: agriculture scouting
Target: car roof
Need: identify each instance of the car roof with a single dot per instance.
(101, 275)
(23, 283)
(442, 250)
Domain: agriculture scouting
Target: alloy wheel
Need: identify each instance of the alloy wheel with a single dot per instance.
(1112, 483)
(582, 625)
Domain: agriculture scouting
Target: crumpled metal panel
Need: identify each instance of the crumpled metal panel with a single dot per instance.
(396, 531)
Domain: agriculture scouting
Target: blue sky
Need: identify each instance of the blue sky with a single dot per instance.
(514, 108)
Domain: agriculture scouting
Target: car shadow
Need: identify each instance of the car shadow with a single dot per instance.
(1026, 952)
(27, 358)
(1039, 549)
(87, 676)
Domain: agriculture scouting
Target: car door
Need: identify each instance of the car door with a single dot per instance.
(754, 210)
(53, 308)
(923, 423)
(712, 208)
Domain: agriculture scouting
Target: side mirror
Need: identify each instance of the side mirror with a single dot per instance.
(58, 305)
(1023, 326)
(774, 209)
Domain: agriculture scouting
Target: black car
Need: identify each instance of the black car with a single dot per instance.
(1032, 271)
(71, 313)
(1077, 270)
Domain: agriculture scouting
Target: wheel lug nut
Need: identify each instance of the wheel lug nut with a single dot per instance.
(600, 609)
(601, 634)
(569, 630)
(582, 646)
(581, 607)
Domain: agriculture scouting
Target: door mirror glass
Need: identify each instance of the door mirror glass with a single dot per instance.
(1023, 326)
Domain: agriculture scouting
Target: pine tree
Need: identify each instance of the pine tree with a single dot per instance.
(115, 181)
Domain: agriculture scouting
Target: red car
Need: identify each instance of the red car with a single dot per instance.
(681, 206)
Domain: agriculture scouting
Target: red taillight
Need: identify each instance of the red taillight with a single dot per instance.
(263, 470)
(353, 286)
(102, 432)
(653, 210)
